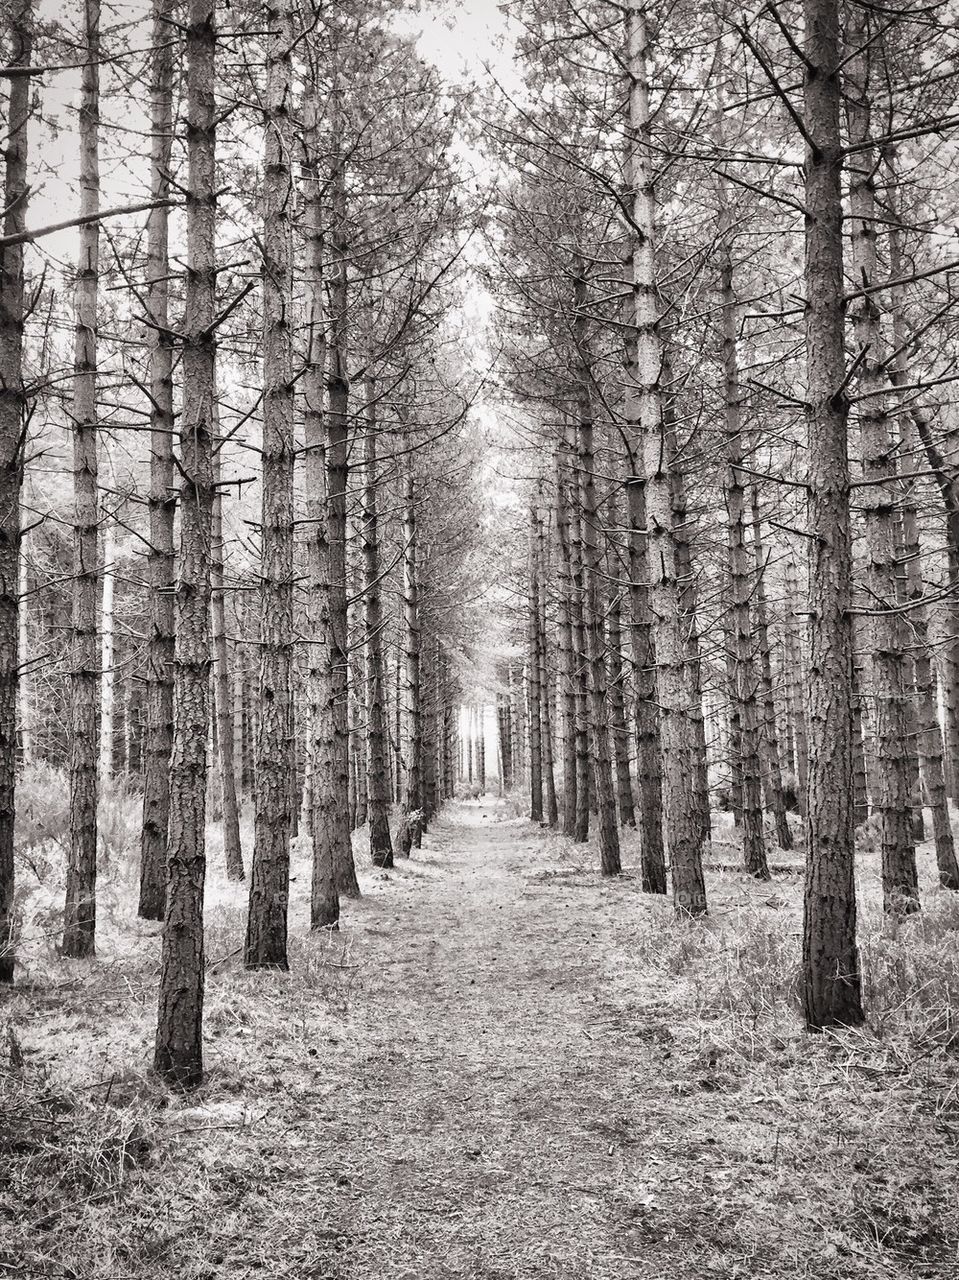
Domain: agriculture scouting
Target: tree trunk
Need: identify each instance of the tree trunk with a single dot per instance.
(481, 744)
(381, 845)
(584, 781)
(534, 711)
(648, 753)
(178, 1056)
(519, 723)
(744, 686)
(878, 497)
(414, 708)
(769, 737)
(567, 655)
(681, 820)
(831, 981)
(688, 597)
(332, 780)
(80, 911)
(273, 796)
(13, 417)
(223, 694)
(616, 677)
(550, 805)
(107, 654)
(23, 696)
(735, 724)
(609, 852)
(161, 562)
(795, 685)
(928, 731)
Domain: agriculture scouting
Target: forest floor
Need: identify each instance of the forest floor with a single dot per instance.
(502, 1066)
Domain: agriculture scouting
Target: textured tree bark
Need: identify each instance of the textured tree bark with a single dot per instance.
(223, 694)
(648, 753)
(178, 1056)
(744, 685)
(688, 596)
(413, 654)
(550, 804)
(24, 692)
(481, 745)
(769, 734)
(332, 780)
(107, 654)
(518, 718)
(505, 741)
(948, 485)
(80, 910)
(381, 845)
(907, 517)
(238, 709)
(161, 560)
(831, 978)
(248, 623)
(795, 693)
(609, 851)
(860, 771)
(617, 704)
(359, 730)
(879, 497)
(449, 732)
(567, 657)
(432, 712)
(682, 823)
(273, 798)
(928, 731)
(533, 710)
(735, 726)
(616, 669)
(584, 771)
(13, 412)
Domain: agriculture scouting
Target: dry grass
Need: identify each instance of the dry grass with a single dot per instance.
(502, 1066)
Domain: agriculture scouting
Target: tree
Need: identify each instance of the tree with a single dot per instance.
(275, 762)
(900, 877)
(831, 980)
(223, 697)
(80, 911)
(381, 844)
(178, 1055)
(331, 784)
(413, 650)
(681, 830)
(13, 425)
(329, 818)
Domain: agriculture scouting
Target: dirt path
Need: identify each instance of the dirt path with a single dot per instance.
(501, 1068)
(487, 1090)
(477, 1121)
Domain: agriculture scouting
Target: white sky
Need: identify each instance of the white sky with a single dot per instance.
(464, 39)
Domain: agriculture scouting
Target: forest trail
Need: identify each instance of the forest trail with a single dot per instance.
(502, 1067)
(458, 1094)
(502, 1133)
(505, 1094)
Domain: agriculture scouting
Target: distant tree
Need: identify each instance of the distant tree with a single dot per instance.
(13, 425)
(80, 911)
(275, 759)
(178, 1056)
